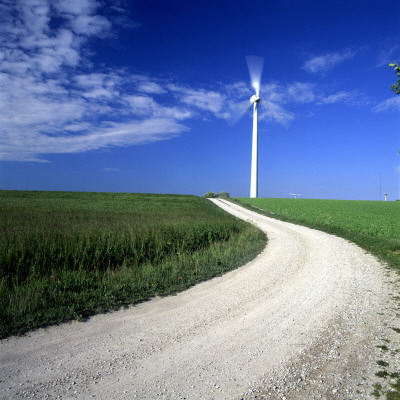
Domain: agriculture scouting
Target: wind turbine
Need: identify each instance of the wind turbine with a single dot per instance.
(255, 65)
(295, 195)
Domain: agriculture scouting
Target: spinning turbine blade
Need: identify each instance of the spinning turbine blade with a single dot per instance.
(238, 110)
(255, 65)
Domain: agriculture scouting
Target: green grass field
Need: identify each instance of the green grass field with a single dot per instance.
(68, 255)
(373, 225)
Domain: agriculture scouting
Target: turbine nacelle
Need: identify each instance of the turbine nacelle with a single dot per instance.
(254, 99)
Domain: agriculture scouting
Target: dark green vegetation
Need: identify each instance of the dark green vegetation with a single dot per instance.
(396, 87)
(212, 195)
(373, 225)
(394, 386)
(67, 255)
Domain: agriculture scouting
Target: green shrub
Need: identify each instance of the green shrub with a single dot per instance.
(209, 195)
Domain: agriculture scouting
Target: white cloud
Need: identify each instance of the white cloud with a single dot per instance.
(325, 62)
(27, 103)
(274, 92)
(389, 51)
(75, 7)
(90, 25)
(94, 80)
(140, 104)
(30, 46)
(238, 89)
(293, 92)
(350, 98)
(48, 107)
(392, 104)
(49, 117)
(78, 127)
(206, 100)
(172, 112)
(299, 92)
(151, 88)
(110, 134)
(146, 106)
(274, 112)
(98, 85)
(99, 93)
(335, 98)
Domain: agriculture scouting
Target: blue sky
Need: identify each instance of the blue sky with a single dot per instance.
(134, 96)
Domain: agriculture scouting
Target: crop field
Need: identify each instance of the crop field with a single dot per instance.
(68, 255)
(373, 225)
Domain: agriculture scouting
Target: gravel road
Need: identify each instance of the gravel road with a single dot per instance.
(301, 321)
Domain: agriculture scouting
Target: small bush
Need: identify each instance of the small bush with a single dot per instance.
(212, 195)
(209, 195)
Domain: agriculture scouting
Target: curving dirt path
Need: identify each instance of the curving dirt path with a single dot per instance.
(300, 321)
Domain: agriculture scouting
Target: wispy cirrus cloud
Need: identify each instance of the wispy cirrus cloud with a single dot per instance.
(108, 134)
(289, 93)
(349, 98)
(276, 113)
(53, 101)
(143, 104)
(207, 100)
(389, 51)
(392, 104)
(336, 98)
(328, 61)
(301, 92)
(151, 88)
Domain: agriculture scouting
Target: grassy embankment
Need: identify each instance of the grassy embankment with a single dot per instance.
(373, 225)
(68, 255)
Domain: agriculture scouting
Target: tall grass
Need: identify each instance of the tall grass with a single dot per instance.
(68, 255)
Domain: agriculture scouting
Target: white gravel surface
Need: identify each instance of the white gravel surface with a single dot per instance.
(301, 321)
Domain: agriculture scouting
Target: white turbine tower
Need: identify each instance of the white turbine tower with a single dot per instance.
(295, 195)
(255, 65)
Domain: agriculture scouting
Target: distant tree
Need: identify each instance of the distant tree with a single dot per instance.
(396, 87)
(209, 195)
